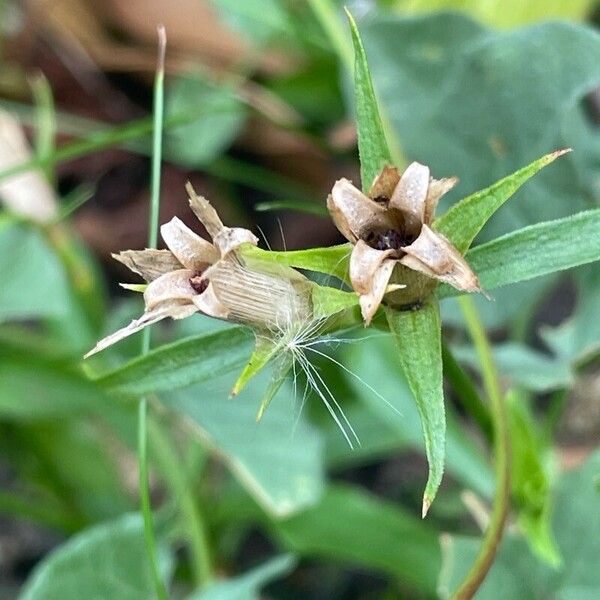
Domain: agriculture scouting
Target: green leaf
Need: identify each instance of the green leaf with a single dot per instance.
(34, 283)
(535, 251)
(105, 561)
(507, 14)
(208, 136)
(466, 218)
(278, 462)
(578, 338)
(371, 359)
(56, 390)
(426, 69)
(352, 526)
(417, 334)
(516, 574)
(247, 586)
(524, 366)
(181, 363)
(372, 146)
(531, 478)
(332, 261)
(264, 350)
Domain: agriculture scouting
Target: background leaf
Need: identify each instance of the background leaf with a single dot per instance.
(34, 284)
(381, 536)
(247, 586)
(108, 560)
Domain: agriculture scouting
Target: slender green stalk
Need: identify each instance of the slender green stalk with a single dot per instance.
(466, 392)
(327, 15)
(195, 526)
(144, 483)
(45, 121)
(495, 529)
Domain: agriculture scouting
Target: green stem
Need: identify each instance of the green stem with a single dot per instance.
(144, 482)
(196, 530)
(491, 382)
(466, 392)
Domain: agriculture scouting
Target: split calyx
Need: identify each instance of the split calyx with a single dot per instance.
(397, 258)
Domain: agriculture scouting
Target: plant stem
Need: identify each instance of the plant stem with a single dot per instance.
(196, 530)
(144, 483)
(466, 392)
(495, 529)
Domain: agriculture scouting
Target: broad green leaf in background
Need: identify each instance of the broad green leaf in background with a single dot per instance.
(258, 20)
(516, 574)
(247, 586)
(507, 13)
(578, 338)
(351, 526)
(34, 283)
(417, 334)
(279, 463)
(425, 70)
(106, 561)
(203, 140)
(372, 146)
(181, 363)
(56, 390)
(524, 366)
(466, 218)
(535, 251)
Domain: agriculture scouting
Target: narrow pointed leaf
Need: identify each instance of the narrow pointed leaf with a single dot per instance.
(466, 218)
(333, 260)
(264, 350)
(535, 251)
(181, 363)
(417, 334)
(372, 146)
(280, 371)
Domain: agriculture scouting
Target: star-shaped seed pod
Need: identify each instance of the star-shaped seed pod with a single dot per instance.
(393, 239)
(195, 275)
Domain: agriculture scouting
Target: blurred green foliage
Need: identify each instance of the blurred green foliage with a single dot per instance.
(459, 96)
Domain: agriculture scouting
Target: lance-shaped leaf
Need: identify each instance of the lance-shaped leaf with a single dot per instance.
(372, 146)
(535, 251)
(333, 260)
(181, 363)
(466, 218)
(417, 334)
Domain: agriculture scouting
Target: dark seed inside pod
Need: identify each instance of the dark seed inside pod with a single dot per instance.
(198, 283)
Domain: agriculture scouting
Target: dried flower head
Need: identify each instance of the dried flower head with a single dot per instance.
(393, 240)
(194, 275)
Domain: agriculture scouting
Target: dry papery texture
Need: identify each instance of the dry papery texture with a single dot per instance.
(195, 275)
(396, 253)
